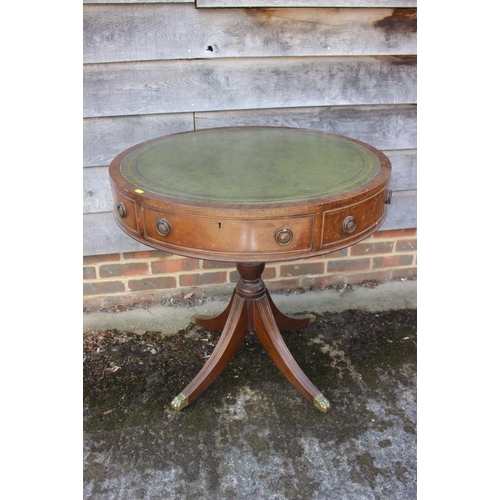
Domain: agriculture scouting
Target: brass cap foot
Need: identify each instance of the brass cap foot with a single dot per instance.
(179, 402)
(312, 319)
(321, 403)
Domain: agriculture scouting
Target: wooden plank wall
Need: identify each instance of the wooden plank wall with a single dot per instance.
(158, 67)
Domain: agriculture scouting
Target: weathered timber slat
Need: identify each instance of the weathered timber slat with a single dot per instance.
(270, 3)
(102, 235)
(97, 195)
(304, 3)
(385, 127)
(225, 84)
(104, 138)
(403, 211)
(138, 1)
(404, 167)
(322, 67)
(143, 32)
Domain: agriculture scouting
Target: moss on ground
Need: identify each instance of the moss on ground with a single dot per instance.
(131, 377)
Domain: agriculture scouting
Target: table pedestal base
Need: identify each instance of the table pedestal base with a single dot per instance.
(251, 309)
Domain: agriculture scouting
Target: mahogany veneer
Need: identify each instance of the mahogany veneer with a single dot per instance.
(251, 195)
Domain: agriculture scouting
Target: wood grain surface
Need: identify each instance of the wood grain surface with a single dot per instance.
(158, 67)
(145, 32)
(227, 84)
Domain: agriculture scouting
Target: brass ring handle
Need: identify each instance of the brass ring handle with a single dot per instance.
(122, 211)
(349, 224)
(283, 236)
(163, 227)
(388, 197)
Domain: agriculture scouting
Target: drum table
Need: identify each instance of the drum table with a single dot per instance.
(250, 195)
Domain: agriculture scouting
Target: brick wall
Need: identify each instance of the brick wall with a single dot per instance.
(153, 276)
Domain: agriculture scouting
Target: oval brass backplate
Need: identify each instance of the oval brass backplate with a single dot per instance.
(349, 224)
(163, 227)
(283, 236)
(122, 211)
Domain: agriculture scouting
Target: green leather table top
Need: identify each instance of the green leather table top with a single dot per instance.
(249, 165)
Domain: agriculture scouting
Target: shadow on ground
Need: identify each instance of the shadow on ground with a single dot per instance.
(251, 435)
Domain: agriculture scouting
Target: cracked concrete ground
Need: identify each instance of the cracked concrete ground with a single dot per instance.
(251, 435)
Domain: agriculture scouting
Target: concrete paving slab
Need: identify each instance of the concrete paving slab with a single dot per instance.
(170, 319)
(252, 435)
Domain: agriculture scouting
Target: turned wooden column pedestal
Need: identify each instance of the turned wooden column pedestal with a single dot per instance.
(251, 309)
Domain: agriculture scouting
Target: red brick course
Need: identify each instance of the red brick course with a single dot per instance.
(395, 233)
(392, 261)
(202, 279)
(406, 245)
(114, 270)
(268, 274)
(372, 247)
(302, 269)
(152, 275)
(149, 283)
(343, 266)
(103, 287)
(163, 266)
(89, 273)
(214, 264)
(93, 259)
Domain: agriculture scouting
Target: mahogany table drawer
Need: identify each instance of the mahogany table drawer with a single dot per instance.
(228, 235)
(344, 224)
(125, 211)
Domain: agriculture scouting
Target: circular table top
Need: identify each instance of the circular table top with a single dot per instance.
(250, 165)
